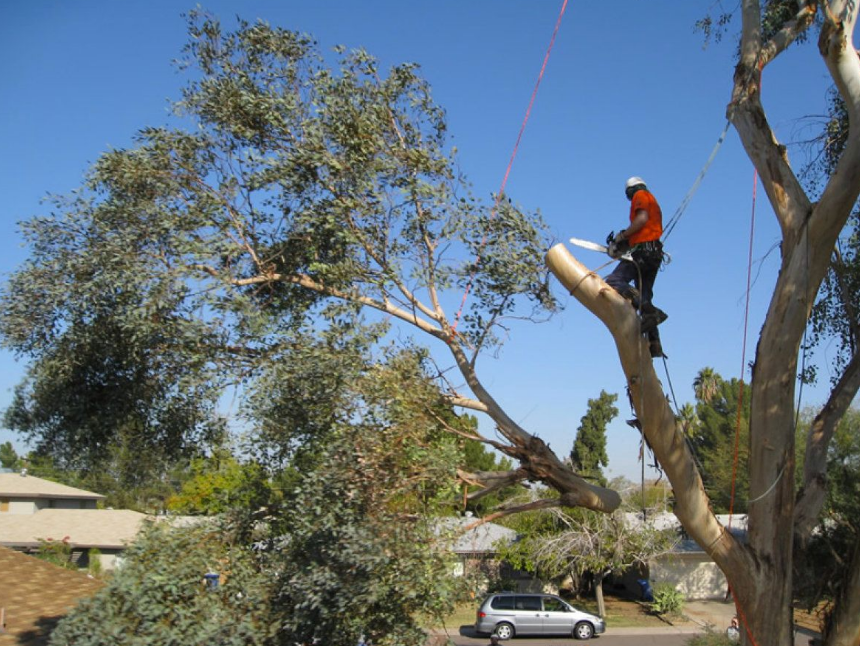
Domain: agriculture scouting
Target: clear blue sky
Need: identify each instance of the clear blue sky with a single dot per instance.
(629, 90)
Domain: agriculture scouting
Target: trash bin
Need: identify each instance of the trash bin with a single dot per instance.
(647, 593)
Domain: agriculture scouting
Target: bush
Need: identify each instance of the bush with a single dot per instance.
(94, 562)
(667, 600)
(56, 552)
(159, 596)
(711, 638)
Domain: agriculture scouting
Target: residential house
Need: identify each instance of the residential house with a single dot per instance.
(24, 494)
(477, 549)
(33, 509)
(687, 567)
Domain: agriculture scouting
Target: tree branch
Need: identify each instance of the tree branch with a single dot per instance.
(811, 497)
(664, 434)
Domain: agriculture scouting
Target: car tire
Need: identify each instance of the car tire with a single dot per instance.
(504, 630)
(583, 630)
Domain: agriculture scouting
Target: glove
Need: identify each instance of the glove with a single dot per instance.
(615, 247)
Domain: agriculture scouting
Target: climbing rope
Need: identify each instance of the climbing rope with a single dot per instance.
(501, 191)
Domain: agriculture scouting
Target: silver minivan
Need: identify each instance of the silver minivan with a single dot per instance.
(509, 613)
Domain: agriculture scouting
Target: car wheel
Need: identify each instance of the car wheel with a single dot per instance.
(504, 630)
(583, 630)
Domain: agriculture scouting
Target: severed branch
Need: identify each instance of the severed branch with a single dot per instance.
(490, 481)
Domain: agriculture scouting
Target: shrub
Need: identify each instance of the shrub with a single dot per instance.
(94, 562)
(56, 552)
(667, 600)
(710, 638)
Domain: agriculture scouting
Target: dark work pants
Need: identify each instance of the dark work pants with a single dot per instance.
(642, 272)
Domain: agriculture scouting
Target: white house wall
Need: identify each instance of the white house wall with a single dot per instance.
(21, 507)
(694, 577)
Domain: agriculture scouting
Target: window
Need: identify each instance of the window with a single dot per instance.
(551, 604)
(528, 603)
(4, 504)
(503, 603)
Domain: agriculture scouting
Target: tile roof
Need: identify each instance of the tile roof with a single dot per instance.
(15, 485)
(102, 528)
(35, 595)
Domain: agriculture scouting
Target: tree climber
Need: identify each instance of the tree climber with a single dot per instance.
(642, 237)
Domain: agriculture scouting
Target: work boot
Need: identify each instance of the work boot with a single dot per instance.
(651, 318)
(631, 294)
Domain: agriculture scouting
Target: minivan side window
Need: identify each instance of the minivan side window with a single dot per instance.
(503, 603)
(551, 604)
(528, 603)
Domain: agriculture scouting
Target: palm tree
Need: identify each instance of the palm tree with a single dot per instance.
(706, 384)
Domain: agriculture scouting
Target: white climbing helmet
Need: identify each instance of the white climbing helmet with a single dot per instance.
(634, 181)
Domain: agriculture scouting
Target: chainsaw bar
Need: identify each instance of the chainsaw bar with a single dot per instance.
(587, 244)
(593, 246)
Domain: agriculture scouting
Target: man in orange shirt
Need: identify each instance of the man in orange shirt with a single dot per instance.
(646, 250)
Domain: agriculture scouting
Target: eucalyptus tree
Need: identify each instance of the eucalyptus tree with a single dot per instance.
(302, 197)
(760, 571)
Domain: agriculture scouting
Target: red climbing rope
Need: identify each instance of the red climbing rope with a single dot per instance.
(511, 160)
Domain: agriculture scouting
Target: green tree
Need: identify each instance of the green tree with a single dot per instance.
(721, 446)
(560, 542)
(160, 595)
(589, 448)
(364, 555)
(220, 483)
(196, 261)
(824, 562)
(8, 456)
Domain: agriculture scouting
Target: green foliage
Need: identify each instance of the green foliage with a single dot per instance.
(8, 456)
(94, 562)
(712, 436)
(775, 16)
(219, 484)
(667, 600)
(824, 563)
(239, 255)
(56, 552)
(364, 556)
(159, 596)
(196, 261)
(710, 638)
(555, 544)
(589, 448)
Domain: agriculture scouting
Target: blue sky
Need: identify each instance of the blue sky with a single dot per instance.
(627, 91)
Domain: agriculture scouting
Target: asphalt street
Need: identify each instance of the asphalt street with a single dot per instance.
(608, 639)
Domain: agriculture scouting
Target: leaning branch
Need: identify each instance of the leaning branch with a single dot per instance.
(661, 430)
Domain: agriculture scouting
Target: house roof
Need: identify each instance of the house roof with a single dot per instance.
(101, 528)
(481, 539)
(35, 595)
(16, 485)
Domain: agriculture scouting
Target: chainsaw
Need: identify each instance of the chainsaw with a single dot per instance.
(594, 246)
